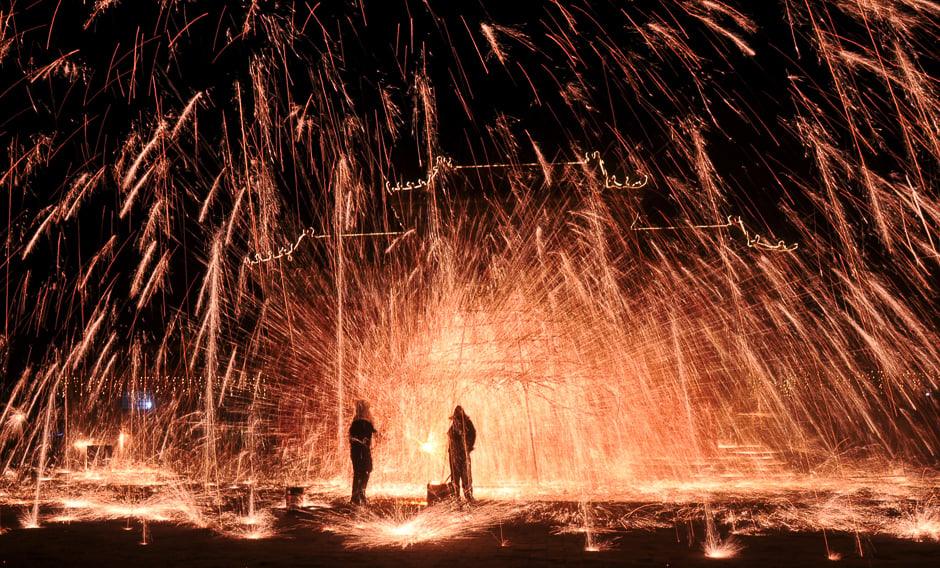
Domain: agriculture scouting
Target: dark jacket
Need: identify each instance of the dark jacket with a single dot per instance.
(360, 444)
(461, 436)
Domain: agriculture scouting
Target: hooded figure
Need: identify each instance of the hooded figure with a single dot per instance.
(360, 450)
(460, 439)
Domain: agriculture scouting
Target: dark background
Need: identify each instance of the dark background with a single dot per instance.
(577, 76)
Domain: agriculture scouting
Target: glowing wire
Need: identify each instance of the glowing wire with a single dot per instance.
(753, 240)
(610, 182)
(441, 162)
(289, 248)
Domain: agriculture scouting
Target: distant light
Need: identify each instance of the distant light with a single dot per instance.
(137, 400)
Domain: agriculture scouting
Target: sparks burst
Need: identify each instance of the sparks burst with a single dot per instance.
(655, 248)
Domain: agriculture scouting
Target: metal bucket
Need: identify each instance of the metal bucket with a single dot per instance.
(441, 492)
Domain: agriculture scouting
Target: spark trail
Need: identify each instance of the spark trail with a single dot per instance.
(741, 291)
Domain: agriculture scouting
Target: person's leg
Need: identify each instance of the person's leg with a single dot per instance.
(360, 478)
(365, 483)
(460, 475)
(455, 474)
(355, 488)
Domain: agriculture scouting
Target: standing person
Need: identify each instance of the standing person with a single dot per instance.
(460, 439)
(360, 450)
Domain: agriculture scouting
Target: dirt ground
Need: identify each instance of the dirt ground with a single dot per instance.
(301, 542)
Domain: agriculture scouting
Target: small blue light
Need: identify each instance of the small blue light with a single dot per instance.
(137, 400)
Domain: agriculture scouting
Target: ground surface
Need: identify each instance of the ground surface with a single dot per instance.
(302, 542)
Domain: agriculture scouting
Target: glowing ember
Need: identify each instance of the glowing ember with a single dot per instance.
(431, 446)
(921, 525)
(728, 548)
(254, 526)
(400, 527)
(29, 521)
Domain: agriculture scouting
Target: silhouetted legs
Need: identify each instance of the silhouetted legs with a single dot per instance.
(360, 480)
(460, 475)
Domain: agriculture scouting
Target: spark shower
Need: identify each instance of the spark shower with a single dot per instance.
(642, 243)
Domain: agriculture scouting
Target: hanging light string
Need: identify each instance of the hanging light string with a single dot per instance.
(754, 240)
(442, 163)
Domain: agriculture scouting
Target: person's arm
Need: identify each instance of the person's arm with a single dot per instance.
(471, 436)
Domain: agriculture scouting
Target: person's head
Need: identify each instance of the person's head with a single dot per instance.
(362, 411)
(458, 413)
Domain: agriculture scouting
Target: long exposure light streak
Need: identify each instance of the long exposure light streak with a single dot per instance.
(403, 528)
(443, 164)
(311, 233)
(753, 240)
(614, 323)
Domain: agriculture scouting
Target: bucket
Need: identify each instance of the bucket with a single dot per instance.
(441, 492)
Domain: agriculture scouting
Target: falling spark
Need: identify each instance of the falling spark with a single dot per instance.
(923, 525)
(142, 269)
(187, 113)
(401, 528)
(131, 173)
(727, 548)
(683, 357)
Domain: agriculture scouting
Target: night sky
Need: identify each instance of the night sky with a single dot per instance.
(84, 85)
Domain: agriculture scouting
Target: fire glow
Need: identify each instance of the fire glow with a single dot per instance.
(404, 527)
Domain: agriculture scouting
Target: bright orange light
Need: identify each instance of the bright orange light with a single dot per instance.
(429, 446)
(729, 548)
(405, 529)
